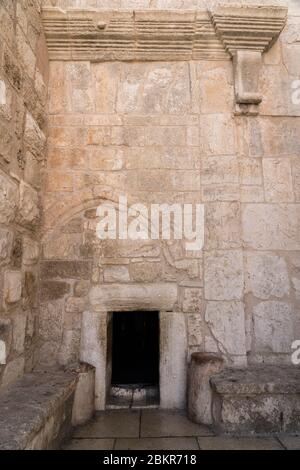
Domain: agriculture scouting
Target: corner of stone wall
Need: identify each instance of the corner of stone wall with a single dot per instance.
(23, 99)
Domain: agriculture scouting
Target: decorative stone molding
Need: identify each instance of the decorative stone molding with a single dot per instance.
(122, 35)
(247, 32)
(240, 31)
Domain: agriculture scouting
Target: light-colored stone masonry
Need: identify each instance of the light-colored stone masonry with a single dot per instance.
(158, 131)
(168, 132)
(23, 97)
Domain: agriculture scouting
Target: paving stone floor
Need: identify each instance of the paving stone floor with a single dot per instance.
(162, 430)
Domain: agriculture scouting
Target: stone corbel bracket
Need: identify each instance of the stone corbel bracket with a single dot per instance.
(246, 33)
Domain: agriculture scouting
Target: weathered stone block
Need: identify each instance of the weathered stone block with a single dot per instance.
(145, 272)
(219, 170)
(84, 400)
(173, 363)
(6, 242)
(12, 286)
(266, 276)
(51, 322)
(120, 297)
(59, 182)
(278, 180)
(9, 196)
(62, 246)
(250, 171)
(30, 290)
(2, 352)
(223, 226)
(217, 134)
(226, 323)
(200, 394)
(34, 137)
(65, 269)
(106, 81)
(31, 251)
(116, 274)
(52, 290)
(13, 371)
(273, 327)
(223, 275)
(195, 330)
(19, 329)
(75, 305)
(29, 212)
(81, 288)
(2, 93)
(32, 171)
(165, 135)
(213, 98)
(260, 399)
(271, 227)
(252, 194)
(274, 137)
(93, 351)
(192, 300)
(69, 348)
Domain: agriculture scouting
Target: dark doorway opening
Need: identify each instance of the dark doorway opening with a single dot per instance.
(135, 348)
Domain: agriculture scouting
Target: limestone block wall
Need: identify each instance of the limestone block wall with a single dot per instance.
(158, 4)
(168, 132)
(23, 95)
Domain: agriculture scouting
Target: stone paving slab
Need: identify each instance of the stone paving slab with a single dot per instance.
(111, 424)
(165, 443)
(157, 423)
(240, 443)
(90, 444)
(290, 442)
(163, 430)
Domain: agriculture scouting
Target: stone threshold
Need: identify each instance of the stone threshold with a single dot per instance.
(133, 396)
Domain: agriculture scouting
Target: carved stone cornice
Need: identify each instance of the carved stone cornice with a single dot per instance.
(247, 32)
(240, 32)
(251, 28)
(122, 35)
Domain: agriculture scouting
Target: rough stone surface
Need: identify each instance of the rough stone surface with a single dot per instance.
(200, 396)
(273, 327)
(226, 326)
(37, 411)
(23, 91)
(224, 279)
(261, 399)
(174, 124)
(84, 399)
(12, 286)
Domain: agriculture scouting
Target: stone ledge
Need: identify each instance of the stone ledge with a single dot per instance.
(131, 35)
(258, 400)
(257, 380)
(36, 411)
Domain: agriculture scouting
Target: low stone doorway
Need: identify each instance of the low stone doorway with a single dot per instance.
(134, 359)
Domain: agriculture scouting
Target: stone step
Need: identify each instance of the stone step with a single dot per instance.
(258, 399)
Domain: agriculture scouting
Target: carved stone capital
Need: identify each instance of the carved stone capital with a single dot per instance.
(246, 33)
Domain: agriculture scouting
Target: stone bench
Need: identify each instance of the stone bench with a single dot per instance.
(261, 399)
(37, 410)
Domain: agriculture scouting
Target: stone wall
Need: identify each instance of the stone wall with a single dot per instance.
(158, 4)
(23, 95)
(165, 132)
(168, 132)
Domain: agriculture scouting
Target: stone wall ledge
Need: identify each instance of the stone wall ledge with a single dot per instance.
(36, 411)
(160, 35)
(258, 400)
(256, 380)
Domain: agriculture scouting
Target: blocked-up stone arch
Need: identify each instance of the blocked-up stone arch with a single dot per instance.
(84, 278)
